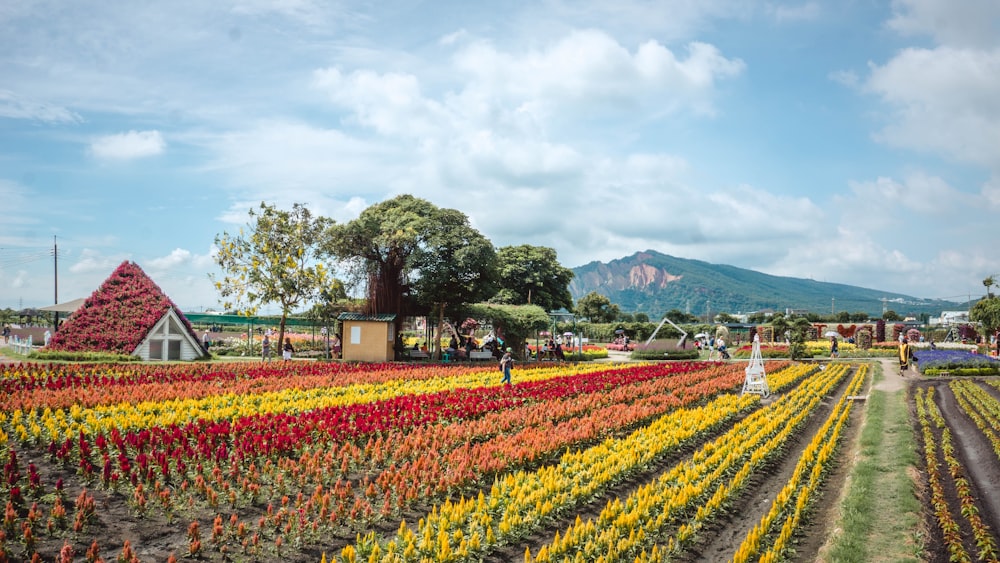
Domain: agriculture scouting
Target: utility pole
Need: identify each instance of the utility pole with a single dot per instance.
(55, 267)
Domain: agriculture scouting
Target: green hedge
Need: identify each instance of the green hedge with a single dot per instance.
(66, 356)
(668, 355)
(963, 371)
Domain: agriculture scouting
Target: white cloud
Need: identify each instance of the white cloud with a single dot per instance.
(952, 22)
(454, 37)
(783, 13)
(14, 107)
(285, 162)
(127, 146)
(919, 192)
(847, 255)
(182, 258)
(18, 280)
(591, 70)
(94, 262)
(944, 100)
(390, 103)
(991, 192)
(847, 78)
(177, 257)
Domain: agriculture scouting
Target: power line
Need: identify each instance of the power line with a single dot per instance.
(8, 258)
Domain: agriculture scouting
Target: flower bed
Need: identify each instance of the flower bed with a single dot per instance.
(955, 362)
(254, 461)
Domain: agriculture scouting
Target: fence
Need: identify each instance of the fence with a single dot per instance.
(21, 345)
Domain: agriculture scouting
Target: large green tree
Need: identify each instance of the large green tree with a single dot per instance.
(986, 312)
(414, 257)
(376, 248)
(678, 316)
(533, 275)
(454, 264)
(272, 261)
(597, 308)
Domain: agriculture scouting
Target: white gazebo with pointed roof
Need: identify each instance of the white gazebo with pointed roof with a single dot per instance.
(756, 379)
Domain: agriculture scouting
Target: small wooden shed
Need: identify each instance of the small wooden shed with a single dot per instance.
(367, 338)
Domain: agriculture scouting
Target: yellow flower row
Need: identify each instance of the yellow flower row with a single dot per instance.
(622, 527)
(812, 463)
(981, 407)
(61, 424)
(517, 502)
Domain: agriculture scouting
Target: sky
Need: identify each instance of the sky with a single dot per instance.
(846, 141)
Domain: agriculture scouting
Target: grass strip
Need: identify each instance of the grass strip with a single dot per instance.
(880, 514)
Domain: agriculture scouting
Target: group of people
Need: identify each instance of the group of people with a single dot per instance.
(265, 348)
(714, 345)
(624, 341)
(552, 349)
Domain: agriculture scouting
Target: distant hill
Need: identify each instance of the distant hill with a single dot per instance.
(654, 283)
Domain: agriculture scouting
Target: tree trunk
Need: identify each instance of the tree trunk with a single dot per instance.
(440, 328)
(281, 332)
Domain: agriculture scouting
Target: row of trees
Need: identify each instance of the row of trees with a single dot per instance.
(413, 258)
(409, 256)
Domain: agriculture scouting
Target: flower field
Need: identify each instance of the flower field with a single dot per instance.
(306, 461)
(958, 424)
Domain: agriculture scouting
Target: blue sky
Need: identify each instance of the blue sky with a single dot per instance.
(848, 141)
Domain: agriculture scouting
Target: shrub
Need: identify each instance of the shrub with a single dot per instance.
(71, 356)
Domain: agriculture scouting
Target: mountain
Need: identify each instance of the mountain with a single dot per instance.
(654, 283)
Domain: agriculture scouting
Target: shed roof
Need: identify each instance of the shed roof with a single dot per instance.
(380, 318)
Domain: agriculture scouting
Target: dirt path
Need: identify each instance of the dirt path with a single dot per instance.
(894, 380)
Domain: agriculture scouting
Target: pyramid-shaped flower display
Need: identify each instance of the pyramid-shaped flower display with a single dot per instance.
(118, 315)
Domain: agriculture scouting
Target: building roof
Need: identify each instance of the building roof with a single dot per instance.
(379, 318)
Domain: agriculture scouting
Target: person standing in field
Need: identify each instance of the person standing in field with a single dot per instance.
(287, 350)
(337, 346)
(265, 349)
(904, 355)
(834, 352)
(505, 364)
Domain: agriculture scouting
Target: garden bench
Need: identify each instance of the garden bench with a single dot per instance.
(480, 355)
(418, 355)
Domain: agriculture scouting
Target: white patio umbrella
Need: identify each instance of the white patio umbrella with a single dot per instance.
(832, 333)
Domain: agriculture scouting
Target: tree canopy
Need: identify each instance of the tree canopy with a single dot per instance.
(514, 323)
(454, 264)
(986, 311)
(532, 275)
(377, 246)
(274, 261)
(597, 308)
(415, 257)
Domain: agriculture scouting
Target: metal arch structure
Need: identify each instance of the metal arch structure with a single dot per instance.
(659, 326)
